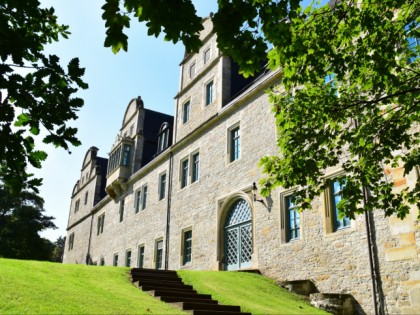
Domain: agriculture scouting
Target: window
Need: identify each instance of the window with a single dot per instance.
(207, 55)
(235, 144)
(184, 173)
(413, 41)
(141, 256)
(71, 241)
(209, 93)
(137, 202)
(115, 262)
(159, 254)
(195, 167)
(126, 155)
(86, 197)
(144, 197)
(122, 205)
(292, 220)
(102, 262)
(164, 137)
(187, 247)
(186, 112)
(162, 186)
(335, 193)
(128, 258)
(192, 70)
(77, 205)
(101, 221)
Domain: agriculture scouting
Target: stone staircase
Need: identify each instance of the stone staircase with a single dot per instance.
(167, 286)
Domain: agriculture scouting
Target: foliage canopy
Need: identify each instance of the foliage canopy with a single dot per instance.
(36, 93)
(363, 120)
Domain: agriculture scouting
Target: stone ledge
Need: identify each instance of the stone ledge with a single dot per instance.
(401, 253)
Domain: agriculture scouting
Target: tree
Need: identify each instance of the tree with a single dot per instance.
(36, 93)
(21, 219)
(58, 251)
(363, 118)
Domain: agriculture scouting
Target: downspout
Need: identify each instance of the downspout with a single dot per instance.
(168, 211)
(88, 259)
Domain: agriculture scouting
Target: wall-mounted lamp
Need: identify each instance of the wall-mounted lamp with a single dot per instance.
(255, 192)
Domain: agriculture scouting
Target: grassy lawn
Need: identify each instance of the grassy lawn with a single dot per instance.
(31, 287)
(254, 293)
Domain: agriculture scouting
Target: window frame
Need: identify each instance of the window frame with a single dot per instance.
(115, 260)
(330, 209)
(285, 218)
(234, 155)
(137, 200)
(162, 186)
(186, 258)
(186, 111)
(140, 255)
(100, 224)
(206, 60)
(128, 256)
(195, 167)
(71, 242)
(86, 197)
(77, 205)
(144, 197)
(209, 95)
(192, 69)
(159, 254)
(184, 172)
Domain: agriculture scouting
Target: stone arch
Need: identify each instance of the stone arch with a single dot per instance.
(224, 209)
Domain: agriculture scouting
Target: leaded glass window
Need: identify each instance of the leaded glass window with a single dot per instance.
(343, 222)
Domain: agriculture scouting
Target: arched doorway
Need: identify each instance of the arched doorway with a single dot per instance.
(238, 236)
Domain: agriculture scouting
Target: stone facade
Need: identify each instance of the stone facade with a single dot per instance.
(193, 182)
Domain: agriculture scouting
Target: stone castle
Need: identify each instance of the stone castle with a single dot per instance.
(179, 193)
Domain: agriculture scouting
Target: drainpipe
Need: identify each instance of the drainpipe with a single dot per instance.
(168, 211)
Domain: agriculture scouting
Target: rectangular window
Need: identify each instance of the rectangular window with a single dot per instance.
(86, 197)
(141, 256)
(235, 144)
(128, 258)
(126, 155)
(292, 220)
(186, 112)
(335, 197)
(184, 173)
(122, 205)
(209, 93)
(115, 261)
(71, 241)
(206, 55)
(101, 221)
(192, 70)
(102, 262)
(77, 205)
(195, 167)
(144, 197)
(187, 247)
(162, 186)
(159, 254)
(137, 202)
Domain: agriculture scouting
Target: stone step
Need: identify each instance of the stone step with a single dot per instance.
(179, 294)
(160, 279)
(156, 288)
(205, 306)
(155, 276)
(162, 284)
(209, 312)
(173, 299)
(154, 271)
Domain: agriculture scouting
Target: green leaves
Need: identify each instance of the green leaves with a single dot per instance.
(159, 15)
(366, 121)
(42, 99)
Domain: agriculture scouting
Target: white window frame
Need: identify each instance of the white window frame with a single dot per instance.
(160, 197)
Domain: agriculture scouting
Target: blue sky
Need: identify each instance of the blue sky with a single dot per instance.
(150, 68)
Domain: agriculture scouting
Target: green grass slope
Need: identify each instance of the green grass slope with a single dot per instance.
(254, 293)
(32, 287)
